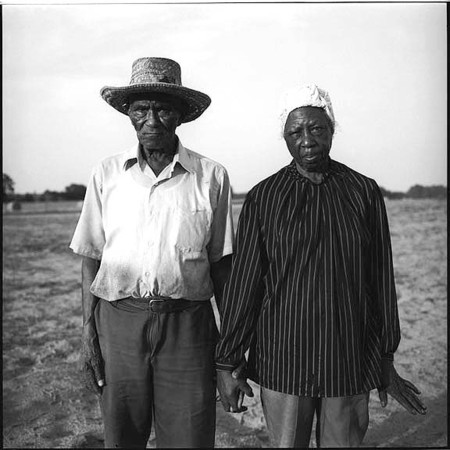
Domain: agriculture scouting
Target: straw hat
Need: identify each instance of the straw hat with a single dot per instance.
(159, 75)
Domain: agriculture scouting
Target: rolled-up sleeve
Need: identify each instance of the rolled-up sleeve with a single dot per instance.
(382, 276)
(89, 236)
(243, 292)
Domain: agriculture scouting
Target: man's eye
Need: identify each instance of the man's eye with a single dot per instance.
(140, 112)
(316, 130)
(165, 111)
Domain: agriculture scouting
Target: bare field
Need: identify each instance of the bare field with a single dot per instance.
(45, 406)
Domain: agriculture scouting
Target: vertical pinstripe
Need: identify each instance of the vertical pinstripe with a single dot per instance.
(311, 291)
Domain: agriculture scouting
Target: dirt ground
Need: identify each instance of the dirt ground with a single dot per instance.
(45, 406)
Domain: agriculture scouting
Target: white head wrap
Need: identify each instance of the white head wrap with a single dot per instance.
(310, 95)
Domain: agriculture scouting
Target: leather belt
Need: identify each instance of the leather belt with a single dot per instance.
(167, 305)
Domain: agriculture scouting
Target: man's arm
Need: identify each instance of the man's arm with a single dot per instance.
(89, 269)
(91, 359)
(220, 271)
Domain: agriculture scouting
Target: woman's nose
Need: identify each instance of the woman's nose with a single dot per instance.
(307, 139)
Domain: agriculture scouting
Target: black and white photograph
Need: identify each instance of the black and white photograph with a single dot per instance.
(225, 224)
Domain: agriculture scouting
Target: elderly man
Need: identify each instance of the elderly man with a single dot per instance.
(156, 238)
(311, 292)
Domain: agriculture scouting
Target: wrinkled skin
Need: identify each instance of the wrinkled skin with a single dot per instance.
(91, 362)
(155, 118)
(400, 389)
(308, 134)
(232, 388)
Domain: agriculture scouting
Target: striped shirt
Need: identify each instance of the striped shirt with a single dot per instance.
(311, 292)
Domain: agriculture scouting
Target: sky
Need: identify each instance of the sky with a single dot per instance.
(383, 64)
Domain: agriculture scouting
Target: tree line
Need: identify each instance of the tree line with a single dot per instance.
(77, 192)
(417, 191)
(71, 192)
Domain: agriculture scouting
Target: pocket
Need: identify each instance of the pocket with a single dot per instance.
(194, 227)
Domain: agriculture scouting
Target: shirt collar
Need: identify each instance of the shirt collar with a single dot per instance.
(182, 157)
(333, 169)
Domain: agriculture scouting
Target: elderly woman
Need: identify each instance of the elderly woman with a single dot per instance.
(311, 292)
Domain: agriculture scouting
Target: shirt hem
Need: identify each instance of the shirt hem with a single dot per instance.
(300, 394)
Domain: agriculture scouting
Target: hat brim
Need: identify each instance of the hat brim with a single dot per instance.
(196, 101)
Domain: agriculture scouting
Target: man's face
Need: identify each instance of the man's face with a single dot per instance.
(308, 136)
(155, 118)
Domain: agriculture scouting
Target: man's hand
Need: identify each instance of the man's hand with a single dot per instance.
(232, 390)
(91, 361)
(400, 389)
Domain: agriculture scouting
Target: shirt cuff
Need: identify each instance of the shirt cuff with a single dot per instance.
(225, 367)
(86, 251)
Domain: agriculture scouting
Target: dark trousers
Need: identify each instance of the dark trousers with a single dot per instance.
(158, 367)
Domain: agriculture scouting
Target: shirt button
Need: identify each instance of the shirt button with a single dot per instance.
(147, 274)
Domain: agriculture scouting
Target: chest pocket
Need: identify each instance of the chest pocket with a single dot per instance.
(193, 231)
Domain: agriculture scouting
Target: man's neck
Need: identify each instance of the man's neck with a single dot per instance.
(158, 159)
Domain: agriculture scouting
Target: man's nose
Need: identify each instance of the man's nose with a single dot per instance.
(152, 118)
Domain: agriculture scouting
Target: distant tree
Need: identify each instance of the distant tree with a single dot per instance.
(29, 197)
(8, 188)
(392, 195)
(50, 196)
(418, 191)
(396, 195)
(75, 192)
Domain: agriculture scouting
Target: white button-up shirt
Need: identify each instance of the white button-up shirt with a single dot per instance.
(155, 235)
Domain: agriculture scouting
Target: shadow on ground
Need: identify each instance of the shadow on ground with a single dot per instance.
(402, 429)
(229, 433)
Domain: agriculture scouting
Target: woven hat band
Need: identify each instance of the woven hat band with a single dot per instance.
(155, 70)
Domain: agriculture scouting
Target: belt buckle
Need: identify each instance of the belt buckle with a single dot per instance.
(154, 300)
